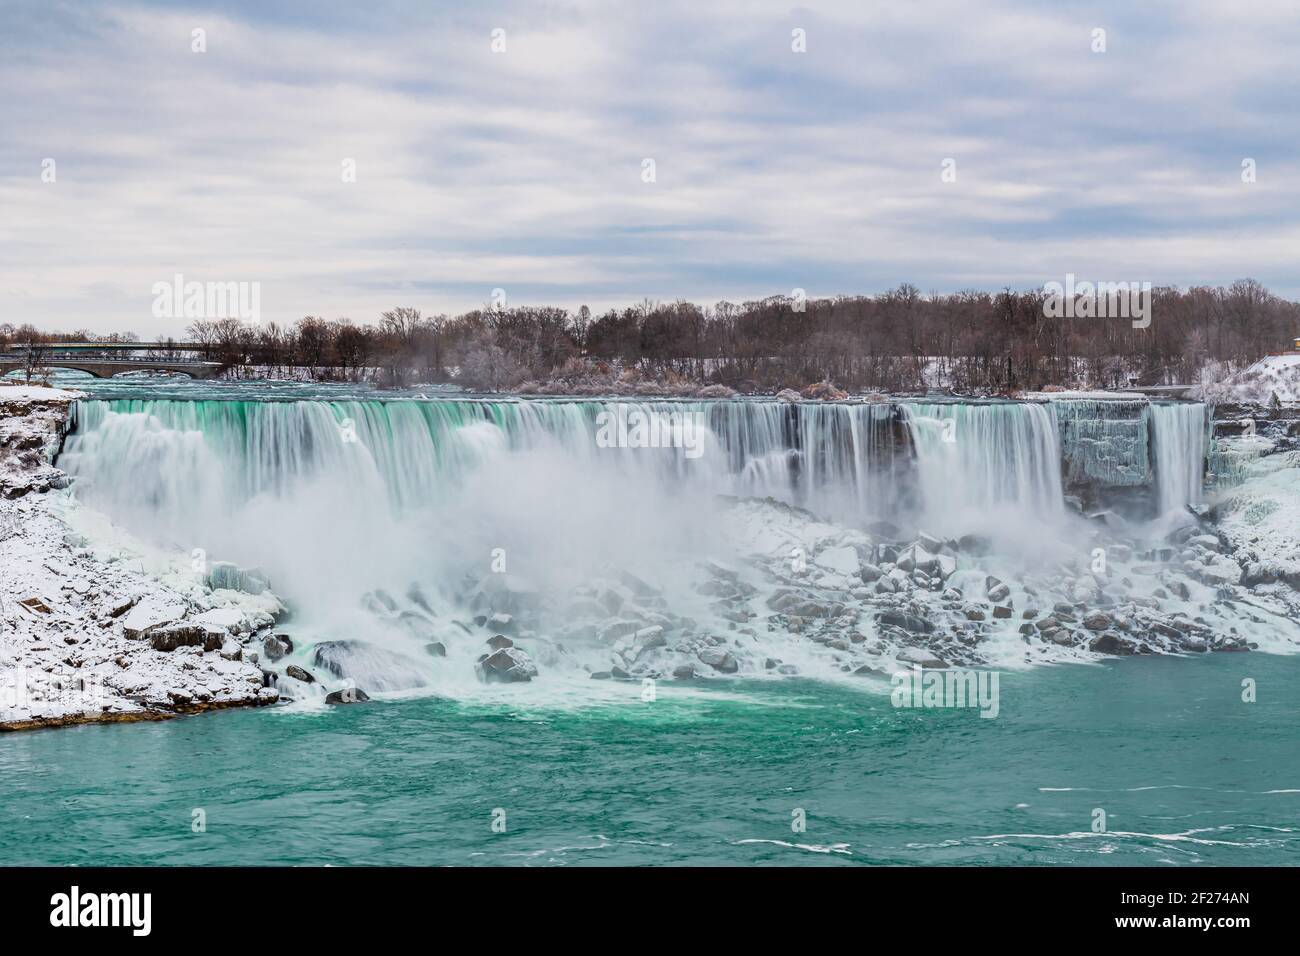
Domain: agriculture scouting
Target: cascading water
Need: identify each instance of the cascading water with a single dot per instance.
(165, 458)
(339, 501)
(978, 463)
(1180, 435)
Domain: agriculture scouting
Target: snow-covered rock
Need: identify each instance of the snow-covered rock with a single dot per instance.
(89, 638)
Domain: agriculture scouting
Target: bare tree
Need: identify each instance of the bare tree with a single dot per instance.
(34, 356)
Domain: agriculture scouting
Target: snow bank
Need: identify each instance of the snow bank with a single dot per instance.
(37, 393)
(1256, 385)
(86, 634)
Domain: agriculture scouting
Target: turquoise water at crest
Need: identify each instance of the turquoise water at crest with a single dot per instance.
(1187, 773)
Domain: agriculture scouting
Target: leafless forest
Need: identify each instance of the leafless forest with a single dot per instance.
(900, 340)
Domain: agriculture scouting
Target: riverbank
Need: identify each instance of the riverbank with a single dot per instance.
(86, 633)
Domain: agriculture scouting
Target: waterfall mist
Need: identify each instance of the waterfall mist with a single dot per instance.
(335, 500)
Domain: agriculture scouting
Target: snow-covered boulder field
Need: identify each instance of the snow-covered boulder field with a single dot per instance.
(85, 634)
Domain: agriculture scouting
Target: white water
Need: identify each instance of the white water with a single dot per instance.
(982, 466)
(1180, 440)
(430, 493)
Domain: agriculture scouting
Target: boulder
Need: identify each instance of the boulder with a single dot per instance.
(274, 648)
(151, 613)
(1112, 643)
(509, 665)
(348, 695)
(945, 566)
(499, 641)
(229, 619)
(716, 391)
(1097, 621)
(367, 664)
(908, 622)
(622, 627)
(297, 673)
(648, 638)
(824, 391)
(718, 659)
(840, 560)
(436, 649)
(168, 637)
(929, 542)
(919, 655)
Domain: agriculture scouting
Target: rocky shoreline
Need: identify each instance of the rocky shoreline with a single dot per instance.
(85, 637)
(866, 604)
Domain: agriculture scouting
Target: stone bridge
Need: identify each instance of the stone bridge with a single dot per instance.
(107, 368)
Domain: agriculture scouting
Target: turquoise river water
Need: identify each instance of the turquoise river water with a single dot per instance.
(1186, 773)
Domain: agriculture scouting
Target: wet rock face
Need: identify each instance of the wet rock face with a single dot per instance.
(274, 648)
(719, 659)
(1111, 643)
(375, 667)
(297, 673)
(348, 695)
(908, 622)
(168, 637)
(1097, 621)
(508, 665)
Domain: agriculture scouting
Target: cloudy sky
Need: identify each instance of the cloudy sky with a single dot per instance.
(523, 169)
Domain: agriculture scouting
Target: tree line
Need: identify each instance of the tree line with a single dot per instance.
(896, 341)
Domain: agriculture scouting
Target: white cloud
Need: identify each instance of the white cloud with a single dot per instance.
(522, 169)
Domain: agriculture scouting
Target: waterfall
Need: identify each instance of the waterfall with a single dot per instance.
(175, 457)
(1180, 435)
(331, 500)
(978, 460)
(173, 465)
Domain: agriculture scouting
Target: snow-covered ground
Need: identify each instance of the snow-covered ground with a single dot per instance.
(88, 633)
(1272, 375)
